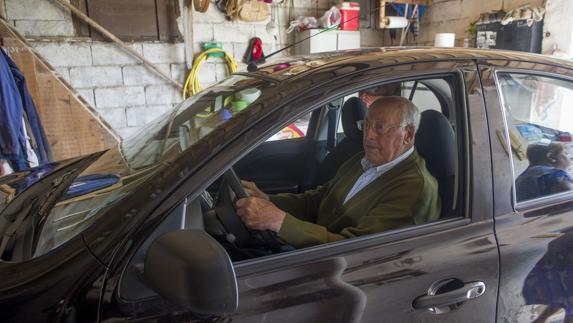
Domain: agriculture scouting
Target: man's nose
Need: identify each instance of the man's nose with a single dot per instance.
(369, 133)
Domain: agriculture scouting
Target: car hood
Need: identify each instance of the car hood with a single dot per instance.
(28, 197)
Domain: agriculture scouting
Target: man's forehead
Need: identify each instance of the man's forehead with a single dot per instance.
(384, 111)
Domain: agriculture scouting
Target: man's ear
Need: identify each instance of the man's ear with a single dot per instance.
(410, 133)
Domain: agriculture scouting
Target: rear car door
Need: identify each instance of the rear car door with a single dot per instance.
(422, 273)
(530, 107)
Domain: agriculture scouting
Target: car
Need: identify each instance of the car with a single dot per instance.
(148, 231)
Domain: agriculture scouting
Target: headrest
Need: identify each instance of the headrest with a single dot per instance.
(435, 142)
(352, 110)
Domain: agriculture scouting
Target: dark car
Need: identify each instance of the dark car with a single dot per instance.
(148, 231)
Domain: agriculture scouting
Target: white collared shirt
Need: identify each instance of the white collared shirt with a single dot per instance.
(371, 173)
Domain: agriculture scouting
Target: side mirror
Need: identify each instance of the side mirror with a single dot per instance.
(191, 269)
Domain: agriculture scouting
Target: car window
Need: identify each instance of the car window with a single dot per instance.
(538, 113)
(438, 146)
(297, 129)
(419, 93)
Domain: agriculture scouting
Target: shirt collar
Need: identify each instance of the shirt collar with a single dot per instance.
(367, 165)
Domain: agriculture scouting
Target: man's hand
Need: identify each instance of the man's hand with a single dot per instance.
(260, 214)
(253, 190)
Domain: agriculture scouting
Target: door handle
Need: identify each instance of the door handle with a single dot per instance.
(433, 301)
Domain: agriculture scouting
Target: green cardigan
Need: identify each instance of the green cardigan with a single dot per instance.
(405, 195)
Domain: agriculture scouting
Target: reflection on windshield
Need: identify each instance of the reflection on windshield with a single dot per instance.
(139, 156)
(192, 120)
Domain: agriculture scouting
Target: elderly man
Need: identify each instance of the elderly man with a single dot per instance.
(386, 187)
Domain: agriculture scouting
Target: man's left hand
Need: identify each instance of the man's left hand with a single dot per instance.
(260, 214)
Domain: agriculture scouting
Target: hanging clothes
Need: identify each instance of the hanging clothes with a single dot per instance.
(16, 105)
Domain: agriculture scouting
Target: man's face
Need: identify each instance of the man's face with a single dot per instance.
(385, 136)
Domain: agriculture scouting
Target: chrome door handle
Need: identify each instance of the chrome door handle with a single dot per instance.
(467, 292)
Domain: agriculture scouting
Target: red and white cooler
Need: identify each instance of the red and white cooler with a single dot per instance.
(349, 13)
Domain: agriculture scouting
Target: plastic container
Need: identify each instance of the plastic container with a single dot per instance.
(349, 13)
(214, 44)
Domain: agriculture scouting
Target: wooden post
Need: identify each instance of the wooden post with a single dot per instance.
(119, 42)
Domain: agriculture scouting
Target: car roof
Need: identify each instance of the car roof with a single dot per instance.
(298, 66)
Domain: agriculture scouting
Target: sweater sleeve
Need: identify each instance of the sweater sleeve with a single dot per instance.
(303, 206)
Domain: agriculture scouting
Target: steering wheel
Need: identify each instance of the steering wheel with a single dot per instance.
(237, 232)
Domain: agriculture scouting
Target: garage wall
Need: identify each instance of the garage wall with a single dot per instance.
(455, 16)
(128, 95)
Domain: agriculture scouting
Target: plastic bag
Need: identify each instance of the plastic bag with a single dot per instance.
(331, 18)
(301, 23)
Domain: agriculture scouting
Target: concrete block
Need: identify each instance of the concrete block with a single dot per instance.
(202, 33)
(370, 38)
(119, 97)
(446, 11)
(179, 72)
(115, 117)
(35, 10)
(143, 75)
(65, 53)
(239, 50)
(45, 28)
(88, 96)
(164, 53)
(95, 76)
(110, 54)
(323, 5)
(221, 72)
(266, 37)
(207, 73)
(140, 116)
(233, 32)
(64, 72)
(212, 16)
(162, 94)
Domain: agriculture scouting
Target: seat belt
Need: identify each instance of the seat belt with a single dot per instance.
(331, 116)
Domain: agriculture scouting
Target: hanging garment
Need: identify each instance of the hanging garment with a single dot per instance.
(15, 105)
(254, 52)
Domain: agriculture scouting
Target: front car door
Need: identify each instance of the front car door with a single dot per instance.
(530, 109)
(413, 274)
(379, 278)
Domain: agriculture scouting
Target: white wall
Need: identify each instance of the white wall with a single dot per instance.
(558, 28)
(129, 95)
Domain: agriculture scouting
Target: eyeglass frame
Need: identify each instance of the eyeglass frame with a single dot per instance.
(364, 124)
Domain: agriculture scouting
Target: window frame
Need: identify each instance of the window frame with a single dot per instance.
(301, 256)
(542, 201)
(463, 189)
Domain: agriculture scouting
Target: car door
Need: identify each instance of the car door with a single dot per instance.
(415, 274)
(529, 106)
(444, 271)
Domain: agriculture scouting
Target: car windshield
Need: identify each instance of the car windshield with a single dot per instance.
(192, 120)
(110, 179)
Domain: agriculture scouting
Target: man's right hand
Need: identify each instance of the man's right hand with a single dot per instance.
(253, 190)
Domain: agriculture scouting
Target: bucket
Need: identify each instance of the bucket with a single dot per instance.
(349, 13)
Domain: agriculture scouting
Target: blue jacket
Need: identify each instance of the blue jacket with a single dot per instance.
(15, 100)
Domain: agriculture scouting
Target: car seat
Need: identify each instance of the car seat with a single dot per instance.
(435, 142)
(352, 111)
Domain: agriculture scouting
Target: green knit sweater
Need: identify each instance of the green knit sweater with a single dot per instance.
(405, 195)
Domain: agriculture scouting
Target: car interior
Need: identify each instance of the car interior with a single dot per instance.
(282, 164)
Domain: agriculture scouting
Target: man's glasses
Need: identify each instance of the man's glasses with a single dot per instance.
(379, 127)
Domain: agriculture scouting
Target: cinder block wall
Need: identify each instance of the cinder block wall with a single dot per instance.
(125, 93)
